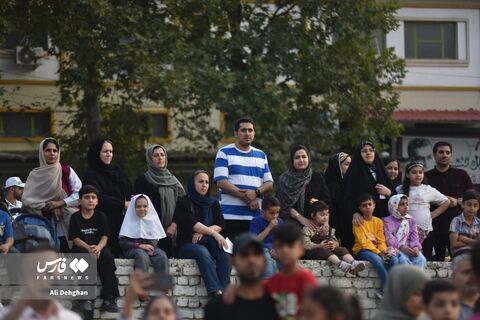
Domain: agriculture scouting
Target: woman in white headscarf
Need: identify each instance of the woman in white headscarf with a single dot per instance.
(52, 190)
(139, 235)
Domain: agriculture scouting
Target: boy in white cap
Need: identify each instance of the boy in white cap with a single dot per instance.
(13, 192)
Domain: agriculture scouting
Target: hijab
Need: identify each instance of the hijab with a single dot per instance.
(95, 163)
(203, 203)
(334, 175)
(360, 179)
(44, 183)
(291, 184)
(404, 227)
(148, 227)
(168, 186)
(403, 281)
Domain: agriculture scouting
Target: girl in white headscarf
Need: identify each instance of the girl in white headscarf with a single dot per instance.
(401, 234)
(139, 235)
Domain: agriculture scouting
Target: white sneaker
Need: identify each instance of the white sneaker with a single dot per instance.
(345, 266)
(357, 266)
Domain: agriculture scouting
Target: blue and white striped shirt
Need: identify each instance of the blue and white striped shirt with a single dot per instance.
(247, 170)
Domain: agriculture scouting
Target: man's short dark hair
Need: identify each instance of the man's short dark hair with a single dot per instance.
(415, 144)
(365, 197)
(437, 286)
(270, 202)
(87, 189)
(471, 194)
(442, 144)
(242, 120)
(287, 233)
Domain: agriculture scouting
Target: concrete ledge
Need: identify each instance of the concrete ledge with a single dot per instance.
(191, 296)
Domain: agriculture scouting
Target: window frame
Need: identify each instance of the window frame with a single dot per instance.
(48, 111)
(223, 125)
(161, 111)
(439, 62)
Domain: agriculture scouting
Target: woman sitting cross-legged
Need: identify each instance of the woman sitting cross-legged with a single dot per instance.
(199, 222)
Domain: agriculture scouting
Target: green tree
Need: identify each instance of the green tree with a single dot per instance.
(105, 49)
(307, 71)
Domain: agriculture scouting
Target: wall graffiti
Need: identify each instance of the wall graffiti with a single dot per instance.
(466, 153)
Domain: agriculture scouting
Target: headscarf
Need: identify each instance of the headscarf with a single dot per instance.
(334, 175)
(203, 203)
(404, 228)
(360, 179)
(403, 281)
(148, 227)
(95, 163)
(291, 184)
(43, 184)
(393, 203)
(169, 188)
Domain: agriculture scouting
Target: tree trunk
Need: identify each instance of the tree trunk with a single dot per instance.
(91, 104)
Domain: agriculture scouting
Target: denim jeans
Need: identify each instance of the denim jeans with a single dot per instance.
(142, 259)
(270, 264)
(402, 258)
(377, 261)
(214, 266)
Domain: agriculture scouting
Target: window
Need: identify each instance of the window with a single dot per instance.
(228, 126)
(431, 40)
(159, 125)
(380, 40)
(25, 124)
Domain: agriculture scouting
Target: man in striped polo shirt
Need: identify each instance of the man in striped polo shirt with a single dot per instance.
(243, 176)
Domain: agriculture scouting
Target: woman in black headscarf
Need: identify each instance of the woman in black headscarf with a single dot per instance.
(199, 234)
(113, 184)
(337, 167)
(366, 174)
(298, 185)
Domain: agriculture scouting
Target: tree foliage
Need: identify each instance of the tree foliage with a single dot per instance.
(306, 71)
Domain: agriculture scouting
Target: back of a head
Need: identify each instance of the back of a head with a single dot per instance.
(335, 303)
(437, 286)
(475, 252)
(287, 233)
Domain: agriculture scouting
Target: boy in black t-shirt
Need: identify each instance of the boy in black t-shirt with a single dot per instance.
(89, 231)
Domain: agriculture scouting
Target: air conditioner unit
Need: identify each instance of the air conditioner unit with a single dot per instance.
(29, 57)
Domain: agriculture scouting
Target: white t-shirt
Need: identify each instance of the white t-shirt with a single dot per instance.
(419, 200)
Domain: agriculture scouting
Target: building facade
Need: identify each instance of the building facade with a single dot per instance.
(439, 98)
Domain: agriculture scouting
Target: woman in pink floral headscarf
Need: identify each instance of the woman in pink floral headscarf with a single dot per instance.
(401, 234)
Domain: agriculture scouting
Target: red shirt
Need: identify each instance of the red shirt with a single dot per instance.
(288, 291)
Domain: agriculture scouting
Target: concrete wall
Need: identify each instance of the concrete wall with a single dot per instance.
(191, 296)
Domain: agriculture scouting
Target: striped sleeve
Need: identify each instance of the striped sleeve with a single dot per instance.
(221, 166)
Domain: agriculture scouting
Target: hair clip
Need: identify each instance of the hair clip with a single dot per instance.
(313, 200)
